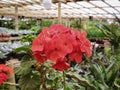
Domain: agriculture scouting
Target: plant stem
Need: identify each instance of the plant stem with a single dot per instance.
(64, 84)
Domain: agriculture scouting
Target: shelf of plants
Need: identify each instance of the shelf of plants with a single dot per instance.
(10, 40)
(9, 34)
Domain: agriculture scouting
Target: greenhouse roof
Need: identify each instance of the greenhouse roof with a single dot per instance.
(69, 8)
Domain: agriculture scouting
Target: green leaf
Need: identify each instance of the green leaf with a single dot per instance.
(69, 86)
(103, 86)
(111, 66)
(24, 68)
(96, 71)
(81, 80)
(112, 75)
(117, 83)
(104, 71)
(29, 82)
(25, 49)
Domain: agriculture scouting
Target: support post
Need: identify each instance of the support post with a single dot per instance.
(59, 12)
(69, 22)
(66, 21)
(16, 18)
(11, 77)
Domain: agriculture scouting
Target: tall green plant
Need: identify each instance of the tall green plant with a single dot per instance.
(112, 33)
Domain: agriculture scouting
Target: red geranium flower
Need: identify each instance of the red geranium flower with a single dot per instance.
(4, 70)
(3, 77)
(85, 44)
(56, 49)
(58, 43)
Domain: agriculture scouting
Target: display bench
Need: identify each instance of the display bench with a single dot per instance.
(10, 39)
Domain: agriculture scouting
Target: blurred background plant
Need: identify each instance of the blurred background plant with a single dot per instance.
(112, 33)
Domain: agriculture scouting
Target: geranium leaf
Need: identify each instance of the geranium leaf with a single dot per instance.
(29, 82)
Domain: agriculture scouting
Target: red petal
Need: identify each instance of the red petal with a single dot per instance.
(37, 45)
(61, 66)
(40, 57)
(77, 56)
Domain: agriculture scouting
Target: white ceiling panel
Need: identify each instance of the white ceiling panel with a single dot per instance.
(99, 3)
(35, 8)
(111, 10)
(85, 4)
(75, 5)
(98, 10)
(113, 2)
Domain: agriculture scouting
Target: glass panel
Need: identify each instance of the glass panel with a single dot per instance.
(111, 10)
(74, 5)
(65, 5)
(99, 3)
(98, 10)
(118, 8)
(113, 2)
(109, 16)
(88, 10)
(118, 16)
(85, 4)
(79, 10)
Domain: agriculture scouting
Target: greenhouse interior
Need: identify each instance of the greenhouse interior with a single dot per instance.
(59, 44)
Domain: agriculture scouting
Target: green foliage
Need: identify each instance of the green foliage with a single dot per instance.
(29, 37)
(36, 29)
(90, 27)
(82, 81)
(76, 23)
(92, 31)
(4, 87)
(36, 76)
(112, 32)
(24, 49)
(7, 23)
(27, 24)
(99, 75)
(28, 80)
(104, 76)
(47, 22)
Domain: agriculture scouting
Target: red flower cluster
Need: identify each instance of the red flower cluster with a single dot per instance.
(60, 44)
(4, 70)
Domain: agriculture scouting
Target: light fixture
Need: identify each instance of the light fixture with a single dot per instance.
(47, 4)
